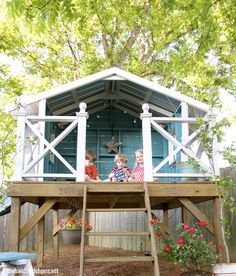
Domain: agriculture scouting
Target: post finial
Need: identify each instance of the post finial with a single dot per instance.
(82, 106)
(145, 108)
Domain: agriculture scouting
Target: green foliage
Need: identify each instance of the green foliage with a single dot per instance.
(229, 154)
(211, 130)
(191, 251)
(188, 45)
(7, 143)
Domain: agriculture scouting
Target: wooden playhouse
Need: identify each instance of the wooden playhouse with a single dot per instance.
(113, 106)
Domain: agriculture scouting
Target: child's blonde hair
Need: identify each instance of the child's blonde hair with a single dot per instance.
(137, 151)
(121, 157)
(90, 155)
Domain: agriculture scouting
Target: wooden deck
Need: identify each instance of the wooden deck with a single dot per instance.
(114, 195)
(107, 197)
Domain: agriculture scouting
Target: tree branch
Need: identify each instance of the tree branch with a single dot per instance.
(132, 38)
(105, 41)
(129, 44)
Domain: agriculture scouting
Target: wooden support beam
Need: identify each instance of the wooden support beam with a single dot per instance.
(40, 241)
(36, 217)
(197, 213)
(59, 189)
(15, 224)
(55, 236)
(185, 215)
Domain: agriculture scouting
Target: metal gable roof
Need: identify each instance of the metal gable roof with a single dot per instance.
(117, 88)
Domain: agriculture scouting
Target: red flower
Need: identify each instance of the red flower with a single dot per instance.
(72, 221)
(153, 221)
(167, 249)
(186, 227)
(219, 247)
(202, 223)
(61, 222)
(193, 230)
(158, 234)
(180, 241)
(89, 226)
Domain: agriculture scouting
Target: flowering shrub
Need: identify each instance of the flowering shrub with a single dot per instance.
(73, 223)
(190, 251)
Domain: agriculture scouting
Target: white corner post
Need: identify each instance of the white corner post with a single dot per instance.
(20, 144)
(42, 112)
(185, 127)
(81, 142)
(147, 142)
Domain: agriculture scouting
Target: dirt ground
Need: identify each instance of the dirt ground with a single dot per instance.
(68, 263)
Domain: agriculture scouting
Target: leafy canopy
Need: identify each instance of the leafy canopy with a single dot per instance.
(189, 45)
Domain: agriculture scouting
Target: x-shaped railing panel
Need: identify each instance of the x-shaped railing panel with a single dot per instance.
(180, 146)
(50, 146)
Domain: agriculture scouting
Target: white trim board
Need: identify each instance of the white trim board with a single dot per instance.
(115, 73)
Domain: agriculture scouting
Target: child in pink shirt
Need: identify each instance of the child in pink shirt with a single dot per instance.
(137, 173)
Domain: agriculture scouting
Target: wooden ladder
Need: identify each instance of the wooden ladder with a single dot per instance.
(153, 258)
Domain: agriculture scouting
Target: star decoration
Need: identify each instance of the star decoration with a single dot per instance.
(113, 145)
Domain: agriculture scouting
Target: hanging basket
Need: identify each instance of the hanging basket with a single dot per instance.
(71, 236)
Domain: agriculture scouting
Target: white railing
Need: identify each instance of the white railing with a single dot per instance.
(30, 154)
(183, 147)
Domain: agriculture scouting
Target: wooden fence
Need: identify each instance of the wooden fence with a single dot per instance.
(111, 222)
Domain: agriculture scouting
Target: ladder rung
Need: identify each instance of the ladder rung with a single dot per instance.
(119, 259)
(117, 234)
(117, 210)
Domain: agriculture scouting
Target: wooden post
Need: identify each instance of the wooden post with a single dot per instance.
(82, 244)
(40, 241)
(15, 224)
(165, 217)
(81, 141)
(185, 215)
(56, 237)
(185, 127)
(218, 228)
(166, 220)
(147, 142)
(20, 144)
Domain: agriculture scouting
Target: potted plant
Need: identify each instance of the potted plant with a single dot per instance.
(71, 230)
(190, 251)
(189, 166)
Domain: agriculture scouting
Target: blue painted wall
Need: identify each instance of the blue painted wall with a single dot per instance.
(100, 129)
